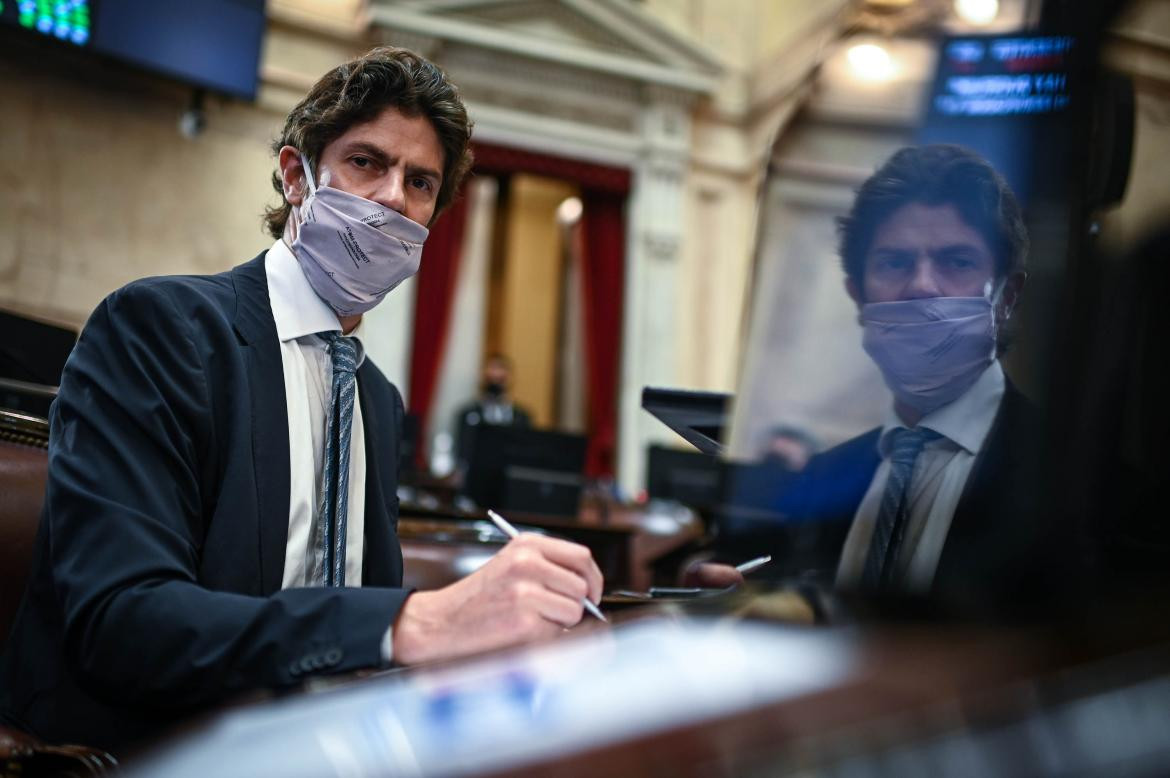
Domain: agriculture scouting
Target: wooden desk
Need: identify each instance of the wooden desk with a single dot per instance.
(623, 540)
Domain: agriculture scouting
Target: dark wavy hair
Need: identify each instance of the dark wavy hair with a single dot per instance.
(357, 92)
(936, 175)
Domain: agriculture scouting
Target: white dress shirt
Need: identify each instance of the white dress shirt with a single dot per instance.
(936, 484)
(308, 382)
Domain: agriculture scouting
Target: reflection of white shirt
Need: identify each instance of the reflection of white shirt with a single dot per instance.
(308, 382)
(936, 484)
(497, 412)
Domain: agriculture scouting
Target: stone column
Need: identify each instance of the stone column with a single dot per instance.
(654, 234)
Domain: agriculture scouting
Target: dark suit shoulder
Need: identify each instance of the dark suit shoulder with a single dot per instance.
(184, 292)
(860, 448)
(1018, 416)
(834, 482)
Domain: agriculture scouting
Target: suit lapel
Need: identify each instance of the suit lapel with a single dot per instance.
(378, 568)
(995, 510)
(266, 393)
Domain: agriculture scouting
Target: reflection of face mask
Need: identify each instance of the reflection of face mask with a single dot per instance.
(352, 250)
(931, 350)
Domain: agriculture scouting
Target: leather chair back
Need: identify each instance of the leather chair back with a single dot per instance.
(24, 463)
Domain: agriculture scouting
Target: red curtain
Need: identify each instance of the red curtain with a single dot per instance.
(437, 277)
(491, 159)
(603, 233)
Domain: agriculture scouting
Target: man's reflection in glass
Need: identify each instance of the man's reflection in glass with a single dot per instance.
(933, 251)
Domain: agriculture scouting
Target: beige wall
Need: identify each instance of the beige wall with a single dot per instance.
(742, 33)
(716, 264)
(102, 188)
(105, 190)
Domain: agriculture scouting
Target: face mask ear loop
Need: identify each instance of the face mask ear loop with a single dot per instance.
(995, 298)
(309, 175)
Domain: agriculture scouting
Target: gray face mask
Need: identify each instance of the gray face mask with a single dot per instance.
(931, 350)
(352, 250)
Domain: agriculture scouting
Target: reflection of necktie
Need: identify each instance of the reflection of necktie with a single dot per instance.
(905, 446)
(335, 476)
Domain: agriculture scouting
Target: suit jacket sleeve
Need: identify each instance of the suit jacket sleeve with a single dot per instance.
(135, 473)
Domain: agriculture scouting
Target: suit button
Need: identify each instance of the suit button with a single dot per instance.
(317, 661)
(294, 669)
(333, 656)
(306, 664)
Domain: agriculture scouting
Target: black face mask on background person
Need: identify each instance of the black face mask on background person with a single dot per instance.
(494, 390)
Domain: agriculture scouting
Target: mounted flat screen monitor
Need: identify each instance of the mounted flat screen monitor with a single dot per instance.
(526, 470)
(689, 477)
(212, 44)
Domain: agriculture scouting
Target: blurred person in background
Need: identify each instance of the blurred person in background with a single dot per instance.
(494, 406)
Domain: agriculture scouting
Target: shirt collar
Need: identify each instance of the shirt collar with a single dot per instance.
(966, 421)
(296, 308)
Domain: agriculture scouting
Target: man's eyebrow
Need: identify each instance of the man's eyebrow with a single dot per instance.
(368, 149)
(886, 251)
(960, 246)
(422, 170)
(382, 158)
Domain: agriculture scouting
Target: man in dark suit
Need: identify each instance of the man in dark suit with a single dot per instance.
(943, 498)
(940, 498)
(221, 505)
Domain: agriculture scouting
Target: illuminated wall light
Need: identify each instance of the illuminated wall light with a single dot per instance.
(871, 62)
(977, 12)
(570, 210)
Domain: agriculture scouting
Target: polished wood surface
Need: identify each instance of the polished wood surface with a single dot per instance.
(626, 540)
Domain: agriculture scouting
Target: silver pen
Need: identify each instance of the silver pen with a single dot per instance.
(512, 532)
(753, 564)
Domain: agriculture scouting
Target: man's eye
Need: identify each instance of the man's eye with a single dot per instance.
(362, 162)
(960, 262)
(422, 184)
(892, 264)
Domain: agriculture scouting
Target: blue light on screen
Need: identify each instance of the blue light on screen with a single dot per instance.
(67, 20)
(211, 43)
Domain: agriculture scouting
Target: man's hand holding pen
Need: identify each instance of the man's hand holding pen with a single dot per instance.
(531, 590)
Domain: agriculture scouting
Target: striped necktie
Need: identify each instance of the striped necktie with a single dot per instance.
(335, 476)
(884, 547)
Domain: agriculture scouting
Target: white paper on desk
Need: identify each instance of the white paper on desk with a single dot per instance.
(503, 711)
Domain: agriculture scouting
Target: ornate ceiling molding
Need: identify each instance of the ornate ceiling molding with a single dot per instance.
(605, 37)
